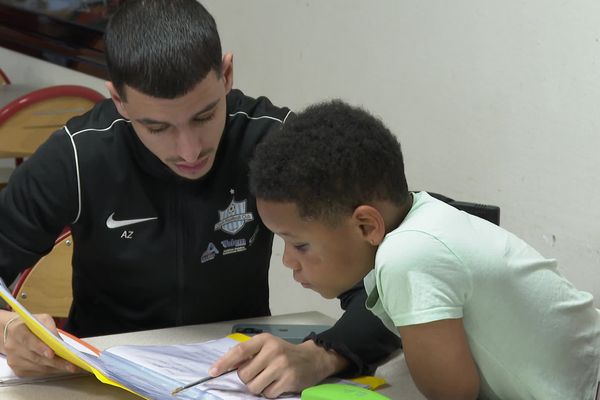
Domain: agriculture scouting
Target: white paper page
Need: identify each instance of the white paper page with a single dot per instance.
(188, 363)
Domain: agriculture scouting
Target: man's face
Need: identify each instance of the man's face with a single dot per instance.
(328, 260)
(184, 133)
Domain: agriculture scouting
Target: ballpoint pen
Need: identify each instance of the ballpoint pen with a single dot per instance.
(199, 381)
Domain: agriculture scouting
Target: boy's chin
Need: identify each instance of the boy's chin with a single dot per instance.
(327, 294)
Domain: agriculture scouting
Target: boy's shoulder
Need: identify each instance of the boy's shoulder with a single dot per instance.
(428, 215)
(433, 229)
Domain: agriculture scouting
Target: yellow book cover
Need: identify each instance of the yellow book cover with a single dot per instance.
(151, 372)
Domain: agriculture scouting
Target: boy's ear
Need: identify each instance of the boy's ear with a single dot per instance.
(371, 223)
(116, 98)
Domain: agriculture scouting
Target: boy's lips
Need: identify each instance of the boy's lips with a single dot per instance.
(304, 284)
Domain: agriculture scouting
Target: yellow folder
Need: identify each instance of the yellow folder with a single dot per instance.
(55, 343)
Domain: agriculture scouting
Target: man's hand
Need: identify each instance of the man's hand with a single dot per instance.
(271, 366)
(29, 356)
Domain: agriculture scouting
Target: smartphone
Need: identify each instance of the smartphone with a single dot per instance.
(293, 333)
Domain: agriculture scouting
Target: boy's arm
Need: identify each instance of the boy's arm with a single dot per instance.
(359, 336)
(439, 359)
(271, 366)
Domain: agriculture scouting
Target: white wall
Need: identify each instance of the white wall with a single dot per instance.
(495, 102)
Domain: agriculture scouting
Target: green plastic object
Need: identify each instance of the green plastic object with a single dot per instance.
(340, 391)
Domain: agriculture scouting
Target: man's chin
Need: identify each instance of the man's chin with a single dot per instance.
(188, 174)
(190, 177)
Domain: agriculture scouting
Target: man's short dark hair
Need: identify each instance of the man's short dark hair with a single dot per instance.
(162, 48)
(328, 160)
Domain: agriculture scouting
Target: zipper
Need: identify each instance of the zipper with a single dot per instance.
(179, 254)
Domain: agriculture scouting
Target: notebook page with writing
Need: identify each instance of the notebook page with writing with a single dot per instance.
(186, 363)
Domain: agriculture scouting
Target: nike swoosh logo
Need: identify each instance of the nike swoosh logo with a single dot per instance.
(112, 224)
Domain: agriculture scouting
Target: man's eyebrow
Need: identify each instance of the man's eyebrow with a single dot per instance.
(209, 107)
(150, 121)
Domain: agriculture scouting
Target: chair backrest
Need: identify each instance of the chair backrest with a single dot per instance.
(485, 211)
(27, 120)
(46, 287)
(3, 78)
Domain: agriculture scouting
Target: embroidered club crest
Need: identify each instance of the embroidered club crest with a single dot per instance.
(234, 217)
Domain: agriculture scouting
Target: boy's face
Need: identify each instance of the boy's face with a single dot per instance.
(184, 132)
(328, 260)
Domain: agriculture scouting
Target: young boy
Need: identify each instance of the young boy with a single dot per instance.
(481, 313)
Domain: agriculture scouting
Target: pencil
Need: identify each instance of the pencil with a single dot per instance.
(199, 381)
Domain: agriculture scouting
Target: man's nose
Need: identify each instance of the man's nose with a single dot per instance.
(188, 145)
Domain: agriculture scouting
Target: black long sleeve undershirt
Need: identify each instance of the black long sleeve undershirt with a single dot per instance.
(358, 335)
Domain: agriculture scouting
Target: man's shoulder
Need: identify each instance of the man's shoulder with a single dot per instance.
(242, 107)
(78, 134)
(103, 119)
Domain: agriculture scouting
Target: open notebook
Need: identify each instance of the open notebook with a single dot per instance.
(152, 372)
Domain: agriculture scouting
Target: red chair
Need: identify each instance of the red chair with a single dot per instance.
(28, 120)
(3, 78)
(28, 116)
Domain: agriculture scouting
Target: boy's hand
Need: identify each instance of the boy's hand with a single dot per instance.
(29, 356)
(270, 366)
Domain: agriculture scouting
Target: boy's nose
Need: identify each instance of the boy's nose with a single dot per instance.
(288, 260)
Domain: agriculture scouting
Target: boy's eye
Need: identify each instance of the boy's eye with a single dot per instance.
(301, 247)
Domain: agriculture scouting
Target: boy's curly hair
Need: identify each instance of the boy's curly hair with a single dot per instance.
(328, 160)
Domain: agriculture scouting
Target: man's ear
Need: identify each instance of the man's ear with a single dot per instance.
(227, 72)
(116, 98)
(370, 222)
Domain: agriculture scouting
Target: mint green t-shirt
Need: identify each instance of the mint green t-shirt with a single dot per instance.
(532, 334)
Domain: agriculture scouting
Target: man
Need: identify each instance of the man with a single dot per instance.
(153, 184)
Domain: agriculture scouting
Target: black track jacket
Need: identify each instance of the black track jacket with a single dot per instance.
(152, 249)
